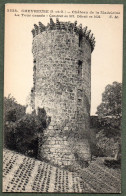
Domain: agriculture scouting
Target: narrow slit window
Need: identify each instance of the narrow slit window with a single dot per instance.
(80, 68)
(80, 40)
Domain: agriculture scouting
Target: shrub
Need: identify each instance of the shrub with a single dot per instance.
(110, 122)
(12, 110)
(109, 117)
(22, 135)
(108, 146)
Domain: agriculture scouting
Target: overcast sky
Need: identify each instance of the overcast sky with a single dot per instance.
(106, 63)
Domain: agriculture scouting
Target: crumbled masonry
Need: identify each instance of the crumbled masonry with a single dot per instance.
(65, 26)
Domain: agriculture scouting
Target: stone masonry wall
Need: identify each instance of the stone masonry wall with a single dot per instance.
(62, 82)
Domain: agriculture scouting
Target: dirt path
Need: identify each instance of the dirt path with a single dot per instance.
(24, 174)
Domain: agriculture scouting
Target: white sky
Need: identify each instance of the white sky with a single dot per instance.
(106, 66)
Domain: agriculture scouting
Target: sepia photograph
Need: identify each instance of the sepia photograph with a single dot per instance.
(63, 67)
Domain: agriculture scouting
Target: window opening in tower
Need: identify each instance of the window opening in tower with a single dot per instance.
(80, 40)
(80, 68)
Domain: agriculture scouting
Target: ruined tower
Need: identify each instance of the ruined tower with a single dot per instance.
(62, 85)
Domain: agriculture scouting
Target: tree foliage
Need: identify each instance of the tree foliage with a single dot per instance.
(110, 110)
(111, 101)
(12, 110)
(110, 115)
(20, 129)
(22, 135)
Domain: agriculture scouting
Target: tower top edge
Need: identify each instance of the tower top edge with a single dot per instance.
(66, 26)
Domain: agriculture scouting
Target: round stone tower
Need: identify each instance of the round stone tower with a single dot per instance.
(62, 86)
